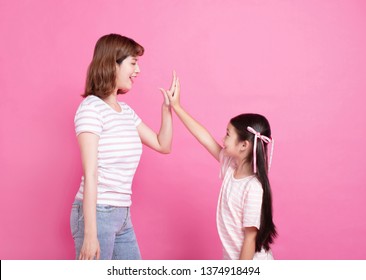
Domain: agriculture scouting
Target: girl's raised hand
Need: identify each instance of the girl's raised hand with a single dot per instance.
(166, 93)
(174, 97)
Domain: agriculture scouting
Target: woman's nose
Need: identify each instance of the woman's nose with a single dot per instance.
(137, 68)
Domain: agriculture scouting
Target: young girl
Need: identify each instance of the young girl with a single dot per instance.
(244, 212)
(110, 136)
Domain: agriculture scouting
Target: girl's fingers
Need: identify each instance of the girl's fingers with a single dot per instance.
(177, 87)
(174, 81)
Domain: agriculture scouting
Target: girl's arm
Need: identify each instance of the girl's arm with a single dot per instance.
(248, 249)
(162, 141)
(198, 131)
(88, 143)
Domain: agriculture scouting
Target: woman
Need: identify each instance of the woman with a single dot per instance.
(110, 136)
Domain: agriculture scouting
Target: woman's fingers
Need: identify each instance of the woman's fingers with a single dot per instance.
(166, 96)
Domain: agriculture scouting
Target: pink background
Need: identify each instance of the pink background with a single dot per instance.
(300, 63)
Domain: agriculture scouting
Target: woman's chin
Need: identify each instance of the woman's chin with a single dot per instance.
(123, 91)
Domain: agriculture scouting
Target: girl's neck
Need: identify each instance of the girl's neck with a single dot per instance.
(243, 169)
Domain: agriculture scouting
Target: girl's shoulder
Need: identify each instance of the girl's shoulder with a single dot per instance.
(254, 185)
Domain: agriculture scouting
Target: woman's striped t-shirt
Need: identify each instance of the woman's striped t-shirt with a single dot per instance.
(119, 148)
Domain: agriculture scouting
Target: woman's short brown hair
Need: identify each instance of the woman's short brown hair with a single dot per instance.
(109, 50)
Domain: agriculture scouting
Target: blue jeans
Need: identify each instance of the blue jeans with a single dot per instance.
(116, 236)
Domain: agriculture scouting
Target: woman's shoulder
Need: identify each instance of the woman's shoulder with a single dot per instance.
(91, 102)
(128, 111)
(125, 106)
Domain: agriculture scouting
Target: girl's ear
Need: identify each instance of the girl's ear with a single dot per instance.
(245, 145)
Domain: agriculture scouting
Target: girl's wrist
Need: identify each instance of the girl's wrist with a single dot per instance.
(176, 107)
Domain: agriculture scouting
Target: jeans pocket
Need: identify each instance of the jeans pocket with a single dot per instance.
(74, 219)
(103, 208)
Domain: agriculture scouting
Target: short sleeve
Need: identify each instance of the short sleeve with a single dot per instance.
(136, 118)
(88, 119)
(225, 163)
(253, 204)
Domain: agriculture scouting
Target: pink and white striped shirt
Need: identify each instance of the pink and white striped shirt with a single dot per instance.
(119, 148)
(239, 206)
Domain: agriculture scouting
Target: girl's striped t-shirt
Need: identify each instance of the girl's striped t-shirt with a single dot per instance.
(239, 206)
(119, 148)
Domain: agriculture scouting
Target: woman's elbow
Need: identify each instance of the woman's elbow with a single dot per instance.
(165, 149)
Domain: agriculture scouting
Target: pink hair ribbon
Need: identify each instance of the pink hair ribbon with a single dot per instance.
(263, 139)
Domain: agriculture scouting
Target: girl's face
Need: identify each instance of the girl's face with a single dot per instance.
(231, 145)
(127, 71)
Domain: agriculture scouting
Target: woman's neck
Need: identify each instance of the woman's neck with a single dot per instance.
(112, 101)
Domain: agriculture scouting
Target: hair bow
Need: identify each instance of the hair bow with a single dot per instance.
(263, 138)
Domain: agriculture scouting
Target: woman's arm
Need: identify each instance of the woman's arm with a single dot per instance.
(88, 143)
(198, 131)
(248, 249)
(162, 141)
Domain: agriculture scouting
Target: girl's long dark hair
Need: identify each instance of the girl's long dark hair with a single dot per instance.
(267, 231)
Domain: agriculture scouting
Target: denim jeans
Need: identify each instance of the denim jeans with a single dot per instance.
(116, 236)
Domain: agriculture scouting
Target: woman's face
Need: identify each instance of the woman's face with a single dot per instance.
(127, 71)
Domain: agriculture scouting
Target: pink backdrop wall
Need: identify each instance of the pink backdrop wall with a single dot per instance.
(300, 63)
